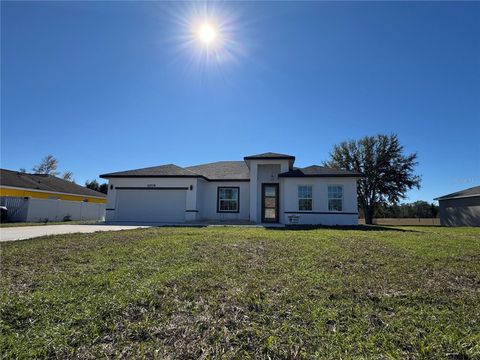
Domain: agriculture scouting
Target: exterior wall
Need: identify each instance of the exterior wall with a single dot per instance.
(201, 196)
(201, 201)
(39, 194)
(460, 212)
(208, 201)
(320, 213)
(191, 195)
(264, 171)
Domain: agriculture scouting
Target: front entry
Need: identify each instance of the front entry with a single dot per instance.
(270, 203)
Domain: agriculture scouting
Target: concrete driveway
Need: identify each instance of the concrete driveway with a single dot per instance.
(28, 232)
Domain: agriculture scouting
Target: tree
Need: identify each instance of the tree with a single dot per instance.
(388, 172)
(103, 188)
(68, 175)
(94, 185)
(23, 170)
(47, 166)
(421, 209)
(417, 209)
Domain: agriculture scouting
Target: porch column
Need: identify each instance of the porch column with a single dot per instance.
(191, 215)
(253, 191)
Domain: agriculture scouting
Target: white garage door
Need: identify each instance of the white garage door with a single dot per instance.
(151, 205)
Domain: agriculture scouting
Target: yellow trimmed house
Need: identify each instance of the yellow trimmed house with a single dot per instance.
(38, 197)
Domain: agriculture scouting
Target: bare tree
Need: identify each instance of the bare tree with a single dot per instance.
(47, 166)
(68, 175)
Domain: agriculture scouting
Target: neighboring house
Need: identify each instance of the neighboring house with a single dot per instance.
(264, 188)
(38, 197)
(461, 208)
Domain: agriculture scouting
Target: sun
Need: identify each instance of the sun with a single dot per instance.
(207, 33)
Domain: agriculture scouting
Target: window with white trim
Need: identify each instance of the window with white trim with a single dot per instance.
(335, 198)
(305, 198)
(227, 199)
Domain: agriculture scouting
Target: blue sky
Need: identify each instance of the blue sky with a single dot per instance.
(107, 86)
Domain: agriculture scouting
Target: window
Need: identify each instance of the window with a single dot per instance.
(228, 199)
(305, 198)
(335, 198)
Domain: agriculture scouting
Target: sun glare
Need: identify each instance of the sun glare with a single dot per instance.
(207, 33)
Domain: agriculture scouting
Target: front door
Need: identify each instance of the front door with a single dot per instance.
(270, 203)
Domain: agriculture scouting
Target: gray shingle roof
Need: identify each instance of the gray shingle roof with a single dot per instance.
(221, 170)
(226, 170)
(269, 155)
(168, 170)
(44, 183)
(319, 171)
(473, 191)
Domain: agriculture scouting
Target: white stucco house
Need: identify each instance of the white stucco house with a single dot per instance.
(263, 188)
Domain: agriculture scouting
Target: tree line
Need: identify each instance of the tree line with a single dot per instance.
(417, 209)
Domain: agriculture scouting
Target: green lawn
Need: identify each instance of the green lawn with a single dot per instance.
(388, 293)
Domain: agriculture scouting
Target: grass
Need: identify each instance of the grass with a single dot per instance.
(387, 293)
(38, 223)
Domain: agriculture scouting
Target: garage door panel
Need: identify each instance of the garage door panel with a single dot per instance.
(151, 205)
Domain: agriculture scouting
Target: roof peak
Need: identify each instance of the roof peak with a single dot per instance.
(269, 155)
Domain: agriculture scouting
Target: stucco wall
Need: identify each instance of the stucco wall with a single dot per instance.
(261, 171)
(208, 201)
(191, 195)
(266, 173)
(201, 200)
(460, 212)
(320, 213)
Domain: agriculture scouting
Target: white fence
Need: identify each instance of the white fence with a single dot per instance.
(17, 207)
(32, 209)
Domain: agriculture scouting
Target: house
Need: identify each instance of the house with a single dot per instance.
(461, 208)
(39, 197)
(263, 188)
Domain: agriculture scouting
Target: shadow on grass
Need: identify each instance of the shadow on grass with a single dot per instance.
(341, 227)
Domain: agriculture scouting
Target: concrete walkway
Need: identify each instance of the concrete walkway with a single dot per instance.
(28, 232)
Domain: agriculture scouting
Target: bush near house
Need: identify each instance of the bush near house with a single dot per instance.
(381, 293)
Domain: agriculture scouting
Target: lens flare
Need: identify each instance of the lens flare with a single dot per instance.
(207, 33)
